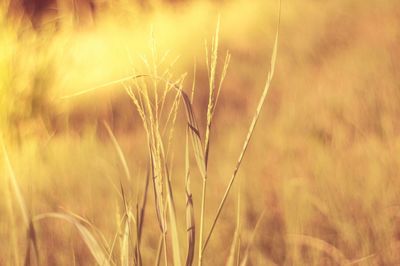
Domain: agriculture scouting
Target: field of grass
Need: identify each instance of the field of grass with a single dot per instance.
(192, 133)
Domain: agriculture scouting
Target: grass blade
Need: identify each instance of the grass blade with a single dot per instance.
(320, 245)
(190, 220)
(119, 150)
(159, 251)
(194, 134)
(248, 137)
(234, 253)
(125, 244)
(174, 225)
(31, 234)
(140, 217)
(98, 253)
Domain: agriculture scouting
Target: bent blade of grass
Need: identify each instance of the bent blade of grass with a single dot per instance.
(98, 253)
(321, 245)
(194, 134)
(192, 122)
(119, 150)
(84, 221)
(190, 220)
(249, 135)
(365, 258)
(200, 160)
(193, 126)
(114, 82)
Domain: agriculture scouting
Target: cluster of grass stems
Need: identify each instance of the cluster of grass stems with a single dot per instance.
(149, 93)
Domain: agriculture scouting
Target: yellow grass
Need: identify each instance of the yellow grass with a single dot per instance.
(190, 133)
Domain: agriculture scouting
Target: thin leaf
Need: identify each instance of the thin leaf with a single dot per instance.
(119, 150)
(234, 253)
(125, 244)
(321, 245)
(190, 220)
(174, 225)
(31, 234)
(98, 253)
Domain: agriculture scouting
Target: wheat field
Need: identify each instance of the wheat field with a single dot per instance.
(164, 132)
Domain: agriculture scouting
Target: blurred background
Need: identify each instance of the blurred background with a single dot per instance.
(324, 161)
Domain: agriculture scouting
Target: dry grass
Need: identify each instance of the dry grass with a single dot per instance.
(136, 171)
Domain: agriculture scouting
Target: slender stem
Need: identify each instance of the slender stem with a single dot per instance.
(159, 250)
(202, 217)
(165, 248)
(210, 112)
(248, 137)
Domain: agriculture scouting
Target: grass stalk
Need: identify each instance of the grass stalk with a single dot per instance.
(248, 137)
(30, 229)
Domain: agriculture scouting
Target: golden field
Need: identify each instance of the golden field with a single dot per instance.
(121, 125)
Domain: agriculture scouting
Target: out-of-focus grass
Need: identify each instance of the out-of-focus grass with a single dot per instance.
(323, 163)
